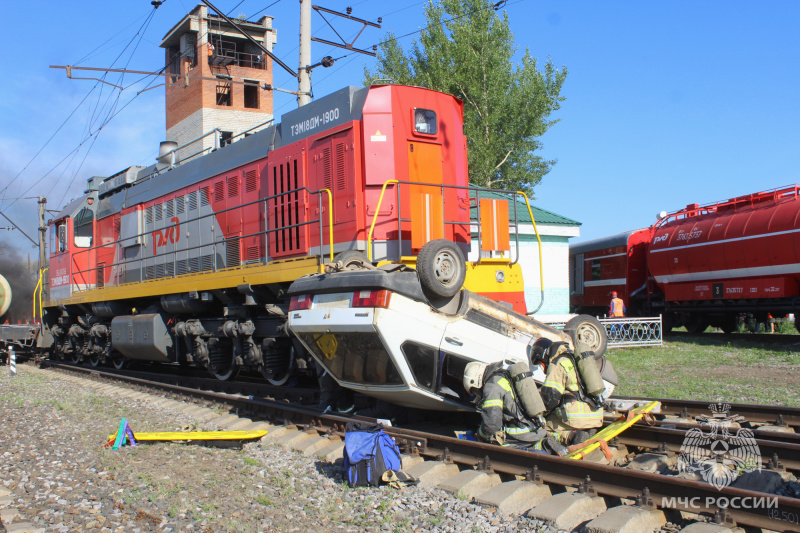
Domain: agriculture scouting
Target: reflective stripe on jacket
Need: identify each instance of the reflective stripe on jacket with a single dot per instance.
(560, 392)
(501, 415)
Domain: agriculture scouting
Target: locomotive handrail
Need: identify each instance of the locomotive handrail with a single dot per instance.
(375, 217)
(539, 239)
(477, 190)
(265, 200)
(747, 200)
(330, 220)
(39, 288)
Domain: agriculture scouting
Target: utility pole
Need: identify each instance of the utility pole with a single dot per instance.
(303, 70)
(42, 233)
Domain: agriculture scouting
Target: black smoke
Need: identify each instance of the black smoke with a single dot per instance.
(22, 278)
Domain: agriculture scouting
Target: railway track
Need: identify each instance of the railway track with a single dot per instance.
(486, 472)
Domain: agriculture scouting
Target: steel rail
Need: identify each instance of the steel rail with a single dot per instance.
(672, 440)
(777, 436)
(778, 415)
(190, 382)
(665, 491)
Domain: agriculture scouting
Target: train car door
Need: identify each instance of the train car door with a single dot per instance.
(427, 205)
(60, 232)
(83, 261)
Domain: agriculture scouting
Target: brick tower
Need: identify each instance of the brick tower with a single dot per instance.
(226, 72)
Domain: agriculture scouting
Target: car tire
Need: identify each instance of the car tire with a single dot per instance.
(441, 268)
(588, 331)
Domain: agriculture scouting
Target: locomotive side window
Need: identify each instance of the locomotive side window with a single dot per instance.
(58, 238)
(596, 270)
(83, 228)
(425, 121)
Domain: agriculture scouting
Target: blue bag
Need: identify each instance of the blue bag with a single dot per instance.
(368, 453)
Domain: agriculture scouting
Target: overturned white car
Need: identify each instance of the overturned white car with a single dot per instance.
(377, 332)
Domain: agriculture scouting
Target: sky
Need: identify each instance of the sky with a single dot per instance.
(667, 103)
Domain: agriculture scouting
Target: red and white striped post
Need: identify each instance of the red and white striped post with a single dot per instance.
(12, 361)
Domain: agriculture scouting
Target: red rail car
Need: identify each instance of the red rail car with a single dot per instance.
(601, 266)
(705, 265)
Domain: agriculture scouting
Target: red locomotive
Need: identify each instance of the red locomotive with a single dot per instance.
(190, 263)
(700, 266)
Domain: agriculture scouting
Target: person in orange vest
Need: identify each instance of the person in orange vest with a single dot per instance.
(616, 310)
(617, 307)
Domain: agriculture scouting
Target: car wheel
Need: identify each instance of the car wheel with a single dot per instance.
(441, 268)
(589, 333)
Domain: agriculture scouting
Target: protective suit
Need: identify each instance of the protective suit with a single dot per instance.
(502, 420)
(569, 419)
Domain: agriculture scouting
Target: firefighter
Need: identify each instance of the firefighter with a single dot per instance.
(502, 419)
(572, 416)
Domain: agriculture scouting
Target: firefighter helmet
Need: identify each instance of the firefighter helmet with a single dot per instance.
(473, 376)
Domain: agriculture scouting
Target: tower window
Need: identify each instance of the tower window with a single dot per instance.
(224, 96)
(225, 138)
(251, 96)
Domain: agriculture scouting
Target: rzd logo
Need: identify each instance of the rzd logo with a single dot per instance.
(661, 238)
(171, 234)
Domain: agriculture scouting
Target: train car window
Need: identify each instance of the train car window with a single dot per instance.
(83, 228)
(596, 270)
(58, 238)
(425, 121)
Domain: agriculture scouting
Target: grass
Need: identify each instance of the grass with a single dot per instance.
(711, 367)
(263, 500)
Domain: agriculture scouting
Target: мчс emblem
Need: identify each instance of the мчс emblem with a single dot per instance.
(719, 456)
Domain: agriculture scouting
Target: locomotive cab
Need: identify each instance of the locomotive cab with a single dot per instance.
(72, 258)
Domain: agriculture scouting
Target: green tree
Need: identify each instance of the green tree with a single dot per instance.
(466, 50)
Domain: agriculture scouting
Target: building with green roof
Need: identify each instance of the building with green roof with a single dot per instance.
(555, 231)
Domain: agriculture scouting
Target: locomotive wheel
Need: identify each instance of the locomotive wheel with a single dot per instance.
(589, 332)
(696, 323)
(221, 363)
(94, 360)
(278, 368)
(75, 357)
(118, 360)
(441, 268)
(353, 260)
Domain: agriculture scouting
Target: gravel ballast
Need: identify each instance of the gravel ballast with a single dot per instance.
(52, 432)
